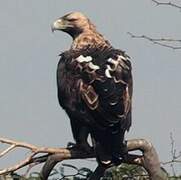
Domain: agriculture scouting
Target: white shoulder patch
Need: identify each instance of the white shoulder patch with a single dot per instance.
(114, 64)
(107, 72)
(93, 66)
(82, 59)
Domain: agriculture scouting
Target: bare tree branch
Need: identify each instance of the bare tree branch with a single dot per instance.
(149, 160)
(34, 150)
(168, 3)
(175, 156)
(165, 42)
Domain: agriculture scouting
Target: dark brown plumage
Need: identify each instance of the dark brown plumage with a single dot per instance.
(95, 89)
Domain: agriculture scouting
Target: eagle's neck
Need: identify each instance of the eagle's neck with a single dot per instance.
(89, 38)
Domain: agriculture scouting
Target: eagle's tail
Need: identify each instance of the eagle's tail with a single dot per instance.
(111, 152)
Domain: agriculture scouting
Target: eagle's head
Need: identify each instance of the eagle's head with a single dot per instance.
(73, 23)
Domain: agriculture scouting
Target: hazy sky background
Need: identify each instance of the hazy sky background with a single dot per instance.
(29, 109)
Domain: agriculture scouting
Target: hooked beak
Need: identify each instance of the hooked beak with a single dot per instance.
(60, 24)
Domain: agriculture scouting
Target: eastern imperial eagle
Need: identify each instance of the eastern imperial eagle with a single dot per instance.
(95, 89)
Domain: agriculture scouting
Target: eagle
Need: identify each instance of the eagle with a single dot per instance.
(94, 83)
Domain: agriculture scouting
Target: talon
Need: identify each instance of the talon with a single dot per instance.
(82, 146)
(70, 145)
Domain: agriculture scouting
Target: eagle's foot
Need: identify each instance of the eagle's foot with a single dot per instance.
(85, 147)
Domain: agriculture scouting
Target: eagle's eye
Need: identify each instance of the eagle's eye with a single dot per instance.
(71, 19)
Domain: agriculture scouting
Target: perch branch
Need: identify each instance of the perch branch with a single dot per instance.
(158, 3)
(34, 150)
(165, 42)
(51, 156)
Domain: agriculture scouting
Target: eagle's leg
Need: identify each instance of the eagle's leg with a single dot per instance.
(119, 151)
(80, 134)
(118, 144)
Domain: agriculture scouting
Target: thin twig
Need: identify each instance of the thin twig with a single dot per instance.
(174, 156)
(7, 150)
(173, 150)
(165, 42)
(17, 166)
(172, 161)
(169, 3)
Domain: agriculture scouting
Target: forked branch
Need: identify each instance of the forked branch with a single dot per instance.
(51, 156)
(168, 3)
(165, 42)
